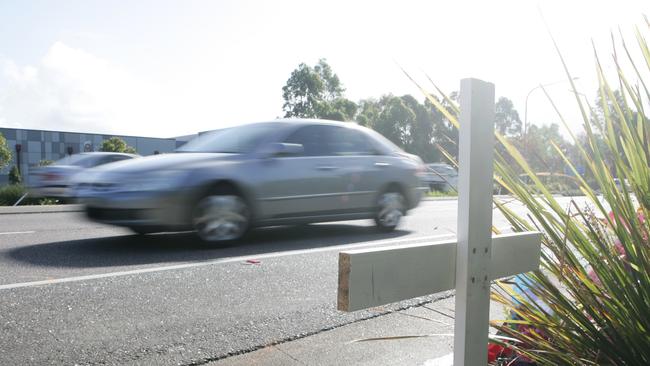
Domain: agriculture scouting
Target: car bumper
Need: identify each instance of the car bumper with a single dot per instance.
(144, 209)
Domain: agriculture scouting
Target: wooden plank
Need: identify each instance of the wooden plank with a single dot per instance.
(515, 253)
(373, 277)
(475, 175)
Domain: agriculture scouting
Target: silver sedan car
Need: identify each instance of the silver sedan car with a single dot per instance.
(273, 173)
(57, 180)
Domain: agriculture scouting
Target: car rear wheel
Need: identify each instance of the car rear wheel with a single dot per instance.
(391, 207)
(221, 217)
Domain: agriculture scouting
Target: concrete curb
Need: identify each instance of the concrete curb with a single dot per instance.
(450, 198)
(6, 210)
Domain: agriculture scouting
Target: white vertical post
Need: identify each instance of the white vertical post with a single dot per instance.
(473, 254)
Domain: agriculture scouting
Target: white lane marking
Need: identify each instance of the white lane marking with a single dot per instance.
(17, 232)
(217, 261)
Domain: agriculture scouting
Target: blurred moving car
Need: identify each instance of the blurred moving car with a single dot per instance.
(440, 177)
(262, 174)
(57, 180)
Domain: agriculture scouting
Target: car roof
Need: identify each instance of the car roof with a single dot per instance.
(100, 153)
(313, 121)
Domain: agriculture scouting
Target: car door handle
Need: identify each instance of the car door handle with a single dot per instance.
(382, 164)
(326, 167)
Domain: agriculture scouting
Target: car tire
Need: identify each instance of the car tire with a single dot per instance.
(391, 207)
(221, 216)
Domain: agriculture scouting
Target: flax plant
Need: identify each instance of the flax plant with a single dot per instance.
(589, 304)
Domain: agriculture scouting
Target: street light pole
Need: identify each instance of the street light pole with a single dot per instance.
(528, 95)
(525, 135)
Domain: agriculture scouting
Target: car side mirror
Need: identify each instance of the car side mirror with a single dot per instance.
(283, 149)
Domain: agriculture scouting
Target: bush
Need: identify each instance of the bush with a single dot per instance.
(10, 194)
(14, 176)
(590, 302)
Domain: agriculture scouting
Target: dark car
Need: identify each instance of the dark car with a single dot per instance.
(440, 177)
(272, 173)
(57, 180)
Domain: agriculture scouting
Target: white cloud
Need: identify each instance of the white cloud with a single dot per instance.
(73, 90)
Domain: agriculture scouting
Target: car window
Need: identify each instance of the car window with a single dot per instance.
(82, 160)
(315, 140)
(119, 158)
(324, 140)
(112, 159)
(347, 141)
(240, 139)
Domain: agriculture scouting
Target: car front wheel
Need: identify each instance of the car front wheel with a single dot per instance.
(221, 217)
(391, 207)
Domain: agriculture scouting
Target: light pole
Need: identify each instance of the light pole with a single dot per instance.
(525, 135)
(528, 95)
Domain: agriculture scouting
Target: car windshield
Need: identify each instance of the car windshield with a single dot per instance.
(81, 160)
(240, 139)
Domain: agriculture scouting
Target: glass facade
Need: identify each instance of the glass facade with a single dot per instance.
(37, 145)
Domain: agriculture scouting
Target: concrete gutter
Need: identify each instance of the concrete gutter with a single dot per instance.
(6, 210)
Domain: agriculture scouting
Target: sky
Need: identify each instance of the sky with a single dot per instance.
(168, 68)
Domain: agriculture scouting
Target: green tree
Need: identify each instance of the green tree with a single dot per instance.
(540, 152)
(445, 135)
(403, 120)
(116, 144)
(421, 131)
(14, 176)
(340, 109)
(368, 112)
(5, 153)
(507, 119)
(316, 92)
(395, 121)
(605, 105)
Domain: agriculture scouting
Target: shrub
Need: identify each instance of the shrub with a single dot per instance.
(14, 176)
(10, 194)
(590, 302)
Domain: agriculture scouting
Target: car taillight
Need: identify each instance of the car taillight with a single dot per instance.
(51, 176)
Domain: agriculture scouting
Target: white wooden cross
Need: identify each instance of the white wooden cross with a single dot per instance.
(373, 277)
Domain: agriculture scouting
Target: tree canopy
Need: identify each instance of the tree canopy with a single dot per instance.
(506, 118)
(116, 144)
(316, 92)
(417, 127)
(5, 153)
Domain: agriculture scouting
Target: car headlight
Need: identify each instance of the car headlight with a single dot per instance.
(164, 180)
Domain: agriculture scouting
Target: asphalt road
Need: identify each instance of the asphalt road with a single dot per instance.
(75, 292)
